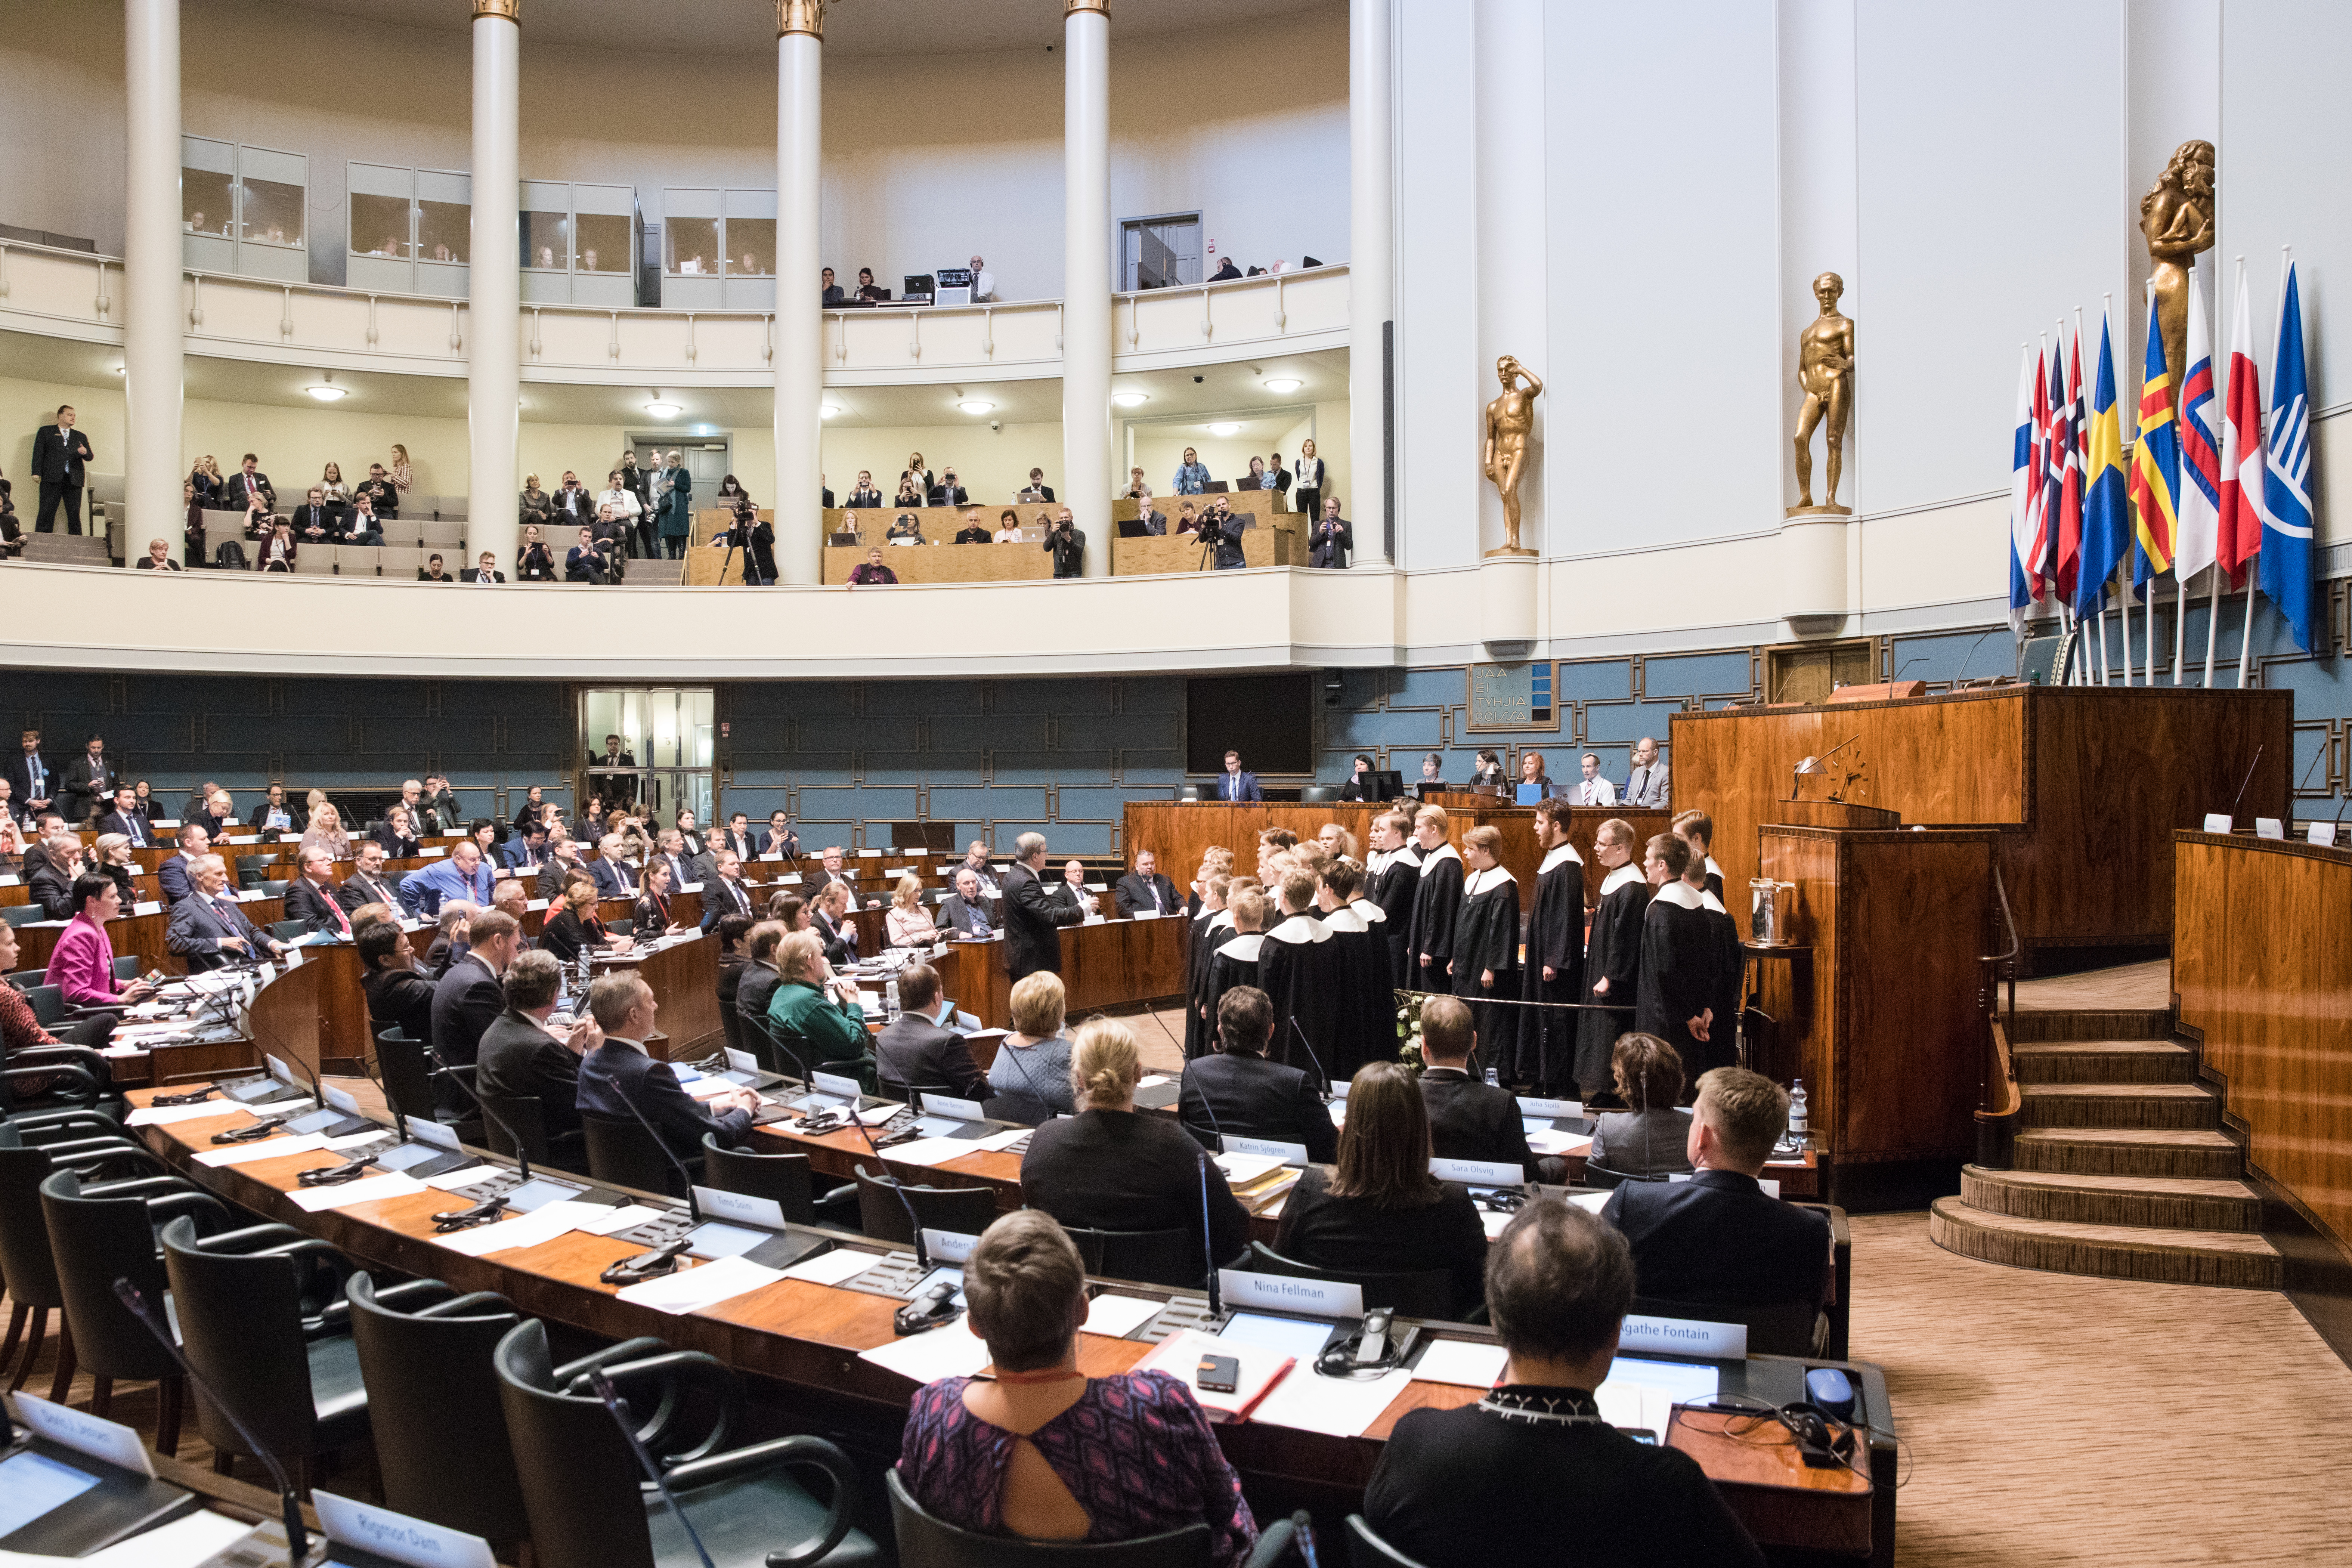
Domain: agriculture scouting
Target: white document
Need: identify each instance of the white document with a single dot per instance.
(931, 1151)
(691, 1290)
(543, 1224)
(1340, 1406)
(185, 1542)
(1591, 1203)
(165, 1115)
(366, 1190)
(1118, 1315)
(267, 1149)
(1551, 1141)
(833, 1268)
(997, 1142)
(373, 1135)
(1243, 1169)
(951, 1350)
(1463, 1361)
(463, 1176)
(605, 1221)
(708, 1088)
(1153, 1080)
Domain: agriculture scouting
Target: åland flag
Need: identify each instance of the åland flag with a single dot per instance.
(2106, 521)
(2198, 545)
(2024, 495)
(2286, 477)
(2156, 467)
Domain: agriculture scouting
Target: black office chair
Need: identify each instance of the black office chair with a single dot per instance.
(26, 979)
(262, 1321)
(287, 930)
(29, 1153)
(1774, 1328)
(588, 1501)
(624, 1153)
(59, 1077)
(1168, 1258)
(524, 1113)
(426, 1356)
(1366, 1549)
(927, 1540)
(1317, 795)
(966, 1211)
(1193, 791)
(1417, 1293)
(788, 1179)
(100, 1233)
(625, 926)
(24, 914)
(407, 1073)
(127, 966)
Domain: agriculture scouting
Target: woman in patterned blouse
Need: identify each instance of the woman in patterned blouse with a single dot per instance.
(1021, 1456)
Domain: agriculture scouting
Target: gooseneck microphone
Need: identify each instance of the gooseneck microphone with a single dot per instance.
(522, 1155)
(1209, 1244)
(2247, 780)
(922, 1253)
(693, 1209)
(1972, 654)
(1324, 1077)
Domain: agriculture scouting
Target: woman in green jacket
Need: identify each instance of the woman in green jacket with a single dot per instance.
(815, 1013)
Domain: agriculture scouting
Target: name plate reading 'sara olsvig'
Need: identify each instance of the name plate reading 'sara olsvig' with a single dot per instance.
(1284, 1293)
(1684, 1336)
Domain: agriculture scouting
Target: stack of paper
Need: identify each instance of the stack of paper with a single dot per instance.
(951, 1350)
(691, 1290)
(1243, 1169)
(1178, 1356)
(931, 1151)
(1551, 1141)
(1463, 1362)
(1338, 1406)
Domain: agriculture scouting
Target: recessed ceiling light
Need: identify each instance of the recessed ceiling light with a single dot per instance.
(122, 369)
(829, 410)
(1129, 399)
(1224, 427)
(1285, 383)
(325, 390)
(974, 405)
(661, 410)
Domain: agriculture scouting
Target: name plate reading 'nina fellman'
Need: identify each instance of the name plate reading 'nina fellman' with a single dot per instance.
(1283, 1293)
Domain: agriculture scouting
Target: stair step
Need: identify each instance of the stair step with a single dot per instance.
(2103, 1061)
(2108, 1251)
(68, 550)
(642, 570)
(2171, 1201)
(2092, 1023)
(2200, 1155)
(2122, 1105)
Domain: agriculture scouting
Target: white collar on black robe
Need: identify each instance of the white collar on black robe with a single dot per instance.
(1384, 858)
(1221, 919)
(1618, 877)
(1679, 893)
(1438, 856)
(1710, 901)
(1369, 910)
(1486, 881)
(1713, 868)
(1298, 931)
(1347, 918)
(1243, 948)
(1565, 852)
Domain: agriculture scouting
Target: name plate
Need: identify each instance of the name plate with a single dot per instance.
(1684, 1336)
(948, 1245)
(2269, 827)
(832, 1084)
(2320, 833)
(870, 854)
(1284, 1293)
(425, 1130)
(1478, 1173)
(403, 1538)
(2217, 822)
(1270, 1148)
(741, 1207)
(280, 1071)
(742, 1061)
(341, 1101)
(1147, 914)
(1555, 1110)
(111, 1441)
(949, 1105)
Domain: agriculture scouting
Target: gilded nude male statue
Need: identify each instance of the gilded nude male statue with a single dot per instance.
(1825, 373)
(1510, 421)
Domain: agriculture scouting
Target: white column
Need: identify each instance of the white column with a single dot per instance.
(494, 288)
(151, 319)
(1371, 269)
(800, 311)
(1086, 281)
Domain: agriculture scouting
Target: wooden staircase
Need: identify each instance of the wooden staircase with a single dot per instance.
(2121, 1171)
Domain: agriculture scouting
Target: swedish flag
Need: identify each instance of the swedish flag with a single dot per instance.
(2156, 466)
(2106, 519)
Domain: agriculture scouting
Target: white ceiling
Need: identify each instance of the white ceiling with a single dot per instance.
(870, 27)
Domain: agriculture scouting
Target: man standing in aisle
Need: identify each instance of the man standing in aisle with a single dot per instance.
(61, 455)
(1032, 911)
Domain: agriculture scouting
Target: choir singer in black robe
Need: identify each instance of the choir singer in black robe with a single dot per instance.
(1555, 962)
(1436, 903)
(1674, 997)
(1299, 968)
(1613, 960)
(1211, 928)
(1394, 873)
(1234, 963)
(1730, 965)
(1367, 999)
(1486, 951)
(1697, 829)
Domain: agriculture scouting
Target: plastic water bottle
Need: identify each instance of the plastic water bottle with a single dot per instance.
(1798, 1125)
(890, 1002)
(1494, 1079)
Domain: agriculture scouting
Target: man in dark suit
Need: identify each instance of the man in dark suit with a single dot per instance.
(488, 571)
(966, 912)
(916, 1053)
(1032, 912)
(564, 861)
(1333, 536)
(177, 873)
(50, 883)
(946, 492)
(61, 456)
(367, 884)
(1236, 785)
(521, 1058)
(618, 1077)
(396, 833)
(1238, 1092)
(741, 836)
(247, 487)
(865, 497)
(1145, 889)
(1488, 1485)
(88, 778)
(722, 893)
(613, 880)
(824, 499)
(614, 755)
(316, 522)
(383, 495)
(831, 296)
(468, 998)
(276, 813)
(525, 850)
(314, 898)
(1038, 488)
(1468, 1120)
(207, 929)
(760, 977)
(572, 504)
(1718, 1238)
(32, 781)
(127, 819)
(1278, 478)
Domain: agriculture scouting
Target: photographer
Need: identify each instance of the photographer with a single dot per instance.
(1222, 529)
(1068, 543)
(757, 538)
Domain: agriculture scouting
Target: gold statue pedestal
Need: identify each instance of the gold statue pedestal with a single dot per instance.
(1818, 511)
(1507, 596)
(1508, 552)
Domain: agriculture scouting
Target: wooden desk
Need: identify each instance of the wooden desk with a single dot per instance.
(1279, 546)
(940, 562)
(1264, 505)
(2085, 785)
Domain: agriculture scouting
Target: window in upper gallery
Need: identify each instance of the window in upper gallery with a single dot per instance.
(379, 225)
(603, 242)
(1160, 252)
(442, 230)
(547, 241)
(692, 244)
(205, 202)
(751, 248)
(273, 212)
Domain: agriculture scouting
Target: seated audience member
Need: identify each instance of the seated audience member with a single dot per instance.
(127, 819)
(756, 987)
(1188, 520)
(20, 1030)
(1717, 1239)
(873, 573)
(173, 873)
(1037, 488)
(535, 562)
(1496, 1484)
(448, 943)
(467, 999)
(62, 862)
(618, 1077)
(905, 529)
(82, 964)
(1257, 479)
(1008, 527)
(515, 900)
(208, 929)
(433, 570)
(522, 1057)
(563, 862)
(110, 856)
(832, 295)
(918, 1053)
(907, 923)
(1381, 1212)
(732, 962)
(157, 558)
(911, 491)
(615, 869)
(966, 912)
(651, 917)
(1653, 1139)
(829, 917)
(365, 523)
(723, 892)
(485, 572)
(1154, 523)
(527, 848)
(1225, 272)
(1469, 1119)
(380, 491)
(586, 561)
(398, 992)
(278, 553)
(866, 287)
(973, 531)
(368, 883)
(1033, 1063)
(571, 927)
(325, 828)
(814, 1012)
(316, 522)
(275, 814)
(1022, 1454)
(1112, 1167)
(1237, 1091)
(315, 899)
(1144, 890)
(397, 833)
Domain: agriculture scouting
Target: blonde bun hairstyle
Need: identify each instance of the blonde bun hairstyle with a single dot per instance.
(1104, 1063)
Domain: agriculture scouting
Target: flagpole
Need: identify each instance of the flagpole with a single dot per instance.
(2212, 622)
(2246, 634)
(2179, 620)
(2106, 676)
(2122, 608)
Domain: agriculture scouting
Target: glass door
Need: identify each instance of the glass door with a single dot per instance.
(647, 750)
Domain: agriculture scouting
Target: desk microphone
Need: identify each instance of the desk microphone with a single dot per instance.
(602, 1385)
(1215, 1130)
(1915, 658)
(1972, 653)
(1319, 1073)
(1208, 1245)
(693, 1209)
(297, 1544)
(922, 1253)
(2250, 778)
(522, 1156)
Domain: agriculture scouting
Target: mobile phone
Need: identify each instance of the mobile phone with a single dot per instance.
(1220, 1374)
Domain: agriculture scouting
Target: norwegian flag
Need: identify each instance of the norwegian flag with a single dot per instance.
(2070, 478)
(2037, 484)
(2240, 534)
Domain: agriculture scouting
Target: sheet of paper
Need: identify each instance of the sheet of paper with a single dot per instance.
(373, 1135)
(608, 1220)
(691, 1290)
(1243, 1169)
(501, 1235)
(997, 1142)
(267, 1149)
(951, 1350)
(165, 1115)
(1118, 1315)
(1340, 1406)
(1178, 1356)
(931, 1151)
(366, 1190)
(1591, 1203)
(1549, 1140)
(709, 1088)
(833, 1268)
(1463, 1361)
(463, 1176)
(1493, 1223)
(1153, 1080)
(185, 1542)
